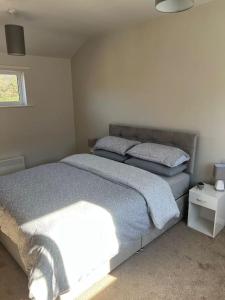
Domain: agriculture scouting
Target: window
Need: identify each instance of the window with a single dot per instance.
(12, 88)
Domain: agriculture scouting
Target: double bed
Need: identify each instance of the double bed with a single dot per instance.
(68, 224)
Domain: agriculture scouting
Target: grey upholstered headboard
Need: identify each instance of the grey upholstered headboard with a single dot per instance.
(184, 140)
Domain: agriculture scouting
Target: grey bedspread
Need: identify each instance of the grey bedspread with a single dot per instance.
(160, 201)
(61, 207)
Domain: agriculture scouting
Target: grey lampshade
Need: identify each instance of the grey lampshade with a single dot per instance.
(219, 171)
(173, 6)
(15, 39)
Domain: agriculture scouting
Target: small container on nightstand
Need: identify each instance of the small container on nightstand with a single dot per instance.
(91, 144)
(206, 211)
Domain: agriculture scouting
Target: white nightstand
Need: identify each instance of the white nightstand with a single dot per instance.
(206, 210)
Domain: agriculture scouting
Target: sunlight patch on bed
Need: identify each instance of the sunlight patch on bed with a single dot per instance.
(82, 221)
(84, 224)
(39, 286)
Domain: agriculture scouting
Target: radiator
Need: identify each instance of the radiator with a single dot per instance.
(11, 165)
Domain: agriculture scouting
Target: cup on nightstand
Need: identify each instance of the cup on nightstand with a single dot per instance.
(200, 186)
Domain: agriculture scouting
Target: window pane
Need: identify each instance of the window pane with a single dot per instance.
(9, 91)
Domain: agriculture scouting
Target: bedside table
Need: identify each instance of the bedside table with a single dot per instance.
(206, 211)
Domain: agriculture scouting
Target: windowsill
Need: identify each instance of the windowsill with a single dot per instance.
(16, 106)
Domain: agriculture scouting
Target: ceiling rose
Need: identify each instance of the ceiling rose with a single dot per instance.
(173, 6)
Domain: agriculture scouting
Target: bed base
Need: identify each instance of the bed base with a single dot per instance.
(108, 266)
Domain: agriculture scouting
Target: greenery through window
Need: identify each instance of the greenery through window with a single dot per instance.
(12, 88)
(9, 90)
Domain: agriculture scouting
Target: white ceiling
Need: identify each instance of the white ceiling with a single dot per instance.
(58, 28)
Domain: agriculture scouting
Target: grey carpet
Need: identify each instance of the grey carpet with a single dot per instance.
(181, 264)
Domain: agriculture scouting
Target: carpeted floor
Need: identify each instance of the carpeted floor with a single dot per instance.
(182, 264)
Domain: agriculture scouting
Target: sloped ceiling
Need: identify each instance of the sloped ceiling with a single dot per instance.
(58, 28)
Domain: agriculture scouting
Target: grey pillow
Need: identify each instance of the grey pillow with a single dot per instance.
(156, 168)
(162, 154)
(115, 144)
(110, 155)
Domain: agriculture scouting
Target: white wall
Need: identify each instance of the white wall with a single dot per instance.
(169, 73)
(45, 131)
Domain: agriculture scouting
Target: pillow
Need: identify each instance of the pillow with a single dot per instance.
(156, 168)
(110, 155)
(162, 154)
(115, 144)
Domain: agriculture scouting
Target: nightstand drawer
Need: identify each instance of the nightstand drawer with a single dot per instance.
(206, 201)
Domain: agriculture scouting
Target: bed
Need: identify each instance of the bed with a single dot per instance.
(124, 233)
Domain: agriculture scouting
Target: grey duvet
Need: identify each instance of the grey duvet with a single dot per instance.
(77, 213)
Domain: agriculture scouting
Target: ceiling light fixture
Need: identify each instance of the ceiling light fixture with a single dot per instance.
(14, 37)
(173, 6)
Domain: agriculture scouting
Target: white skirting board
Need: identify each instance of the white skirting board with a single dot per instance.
(11, 165)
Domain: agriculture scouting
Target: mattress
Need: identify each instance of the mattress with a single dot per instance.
(179, 184)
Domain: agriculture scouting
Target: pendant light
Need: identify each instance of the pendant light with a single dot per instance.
(173, 6)
(14, 38)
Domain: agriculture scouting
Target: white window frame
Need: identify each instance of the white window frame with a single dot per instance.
(21, 89)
